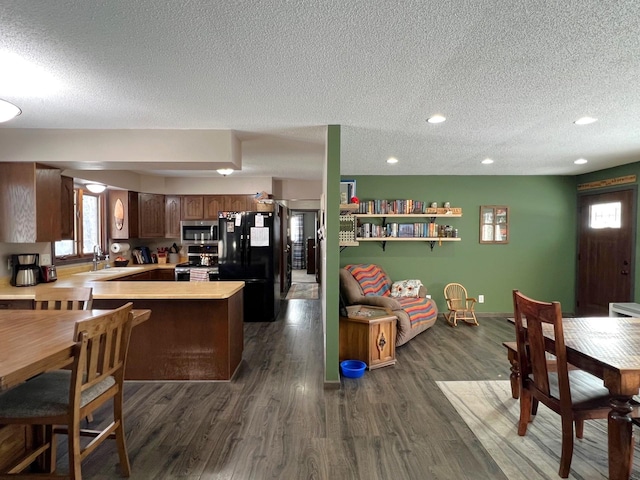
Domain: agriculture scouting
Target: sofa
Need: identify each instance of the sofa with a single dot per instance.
(369, 284)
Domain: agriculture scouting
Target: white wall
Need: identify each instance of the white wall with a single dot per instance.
(289, 189)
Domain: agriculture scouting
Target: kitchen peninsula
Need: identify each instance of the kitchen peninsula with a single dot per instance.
(195, 331)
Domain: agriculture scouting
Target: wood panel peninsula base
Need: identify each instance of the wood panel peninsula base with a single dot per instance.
(185, 338)
(368, 334)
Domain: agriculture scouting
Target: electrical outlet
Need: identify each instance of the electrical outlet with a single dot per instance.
(45, 259)
(9, 264)
(428, 296)
(480, 298)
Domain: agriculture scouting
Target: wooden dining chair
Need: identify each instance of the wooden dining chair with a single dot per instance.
(59, 399)
(461, 306)
(573, 394)
(80, 298)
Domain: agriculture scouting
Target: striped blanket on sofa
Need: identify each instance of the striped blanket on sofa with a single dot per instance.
(375, 282)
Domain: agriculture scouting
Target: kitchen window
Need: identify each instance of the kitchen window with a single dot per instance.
(89, 230)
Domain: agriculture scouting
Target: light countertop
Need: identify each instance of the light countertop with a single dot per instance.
(150, 290)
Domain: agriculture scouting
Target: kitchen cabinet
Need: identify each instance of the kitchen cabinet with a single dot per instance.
(151, 214)
(29, 203)
(239, 203)
(192, 207)
(206, 207)
(172, 216)
(67, 210)
(158, 275)
(212, 205)
(16, 304)
(164, 275)
(123, 214)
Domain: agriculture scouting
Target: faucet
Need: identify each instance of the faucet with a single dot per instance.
(97, 253)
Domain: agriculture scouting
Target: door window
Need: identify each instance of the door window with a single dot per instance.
(605, 215)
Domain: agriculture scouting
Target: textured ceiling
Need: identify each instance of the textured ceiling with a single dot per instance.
(511, 76)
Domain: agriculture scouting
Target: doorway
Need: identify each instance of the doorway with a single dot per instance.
(606, 240)
(303, 226)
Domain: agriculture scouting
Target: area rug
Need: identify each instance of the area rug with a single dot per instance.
(492, 415)
(303, 291)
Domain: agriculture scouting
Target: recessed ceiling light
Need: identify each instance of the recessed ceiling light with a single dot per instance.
(585, 120)
(487, 161)
(436, 119)
(580, 161)
(392, 160)
(225, 171)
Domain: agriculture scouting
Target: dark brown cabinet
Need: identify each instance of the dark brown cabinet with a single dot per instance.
(16, 305)
(206, 207)
(123, 214)
(239, 203)
(67, 224)
(192, 207)
(172, 216)
(164, 275)
(212, 205)
(151, 215)
(159, 275)
(29, 203)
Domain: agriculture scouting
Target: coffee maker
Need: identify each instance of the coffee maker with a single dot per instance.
(26, 271)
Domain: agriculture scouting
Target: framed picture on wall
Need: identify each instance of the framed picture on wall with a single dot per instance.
(347, 191)
(494, 224)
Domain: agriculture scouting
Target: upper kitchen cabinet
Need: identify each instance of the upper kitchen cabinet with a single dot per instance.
(212, 205)
(192, 207)
(151, 213)
(206, 207)
(123, 214)
(66, 208)
(172, 216)
(239, 203)
(29, 203)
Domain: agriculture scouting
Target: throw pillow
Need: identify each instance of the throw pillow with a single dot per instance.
(406, 288)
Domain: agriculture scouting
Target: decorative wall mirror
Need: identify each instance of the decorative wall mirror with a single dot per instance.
(494, 224)
(118, 214)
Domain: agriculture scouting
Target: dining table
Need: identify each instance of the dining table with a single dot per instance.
(608, 348)
(36, 341)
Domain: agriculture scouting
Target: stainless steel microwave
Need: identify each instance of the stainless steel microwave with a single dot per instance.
(200, 232)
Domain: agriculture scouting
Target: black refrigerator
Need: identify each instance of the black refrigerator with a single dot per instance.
(248, 246)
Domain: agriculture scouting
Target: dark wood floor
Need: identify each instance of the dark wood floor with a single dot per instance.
(275, 420)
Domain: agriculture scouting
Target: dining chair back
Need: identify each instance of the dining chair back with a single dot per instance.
(573, 394)
(61, 398)
(80, 298)
(461, 306)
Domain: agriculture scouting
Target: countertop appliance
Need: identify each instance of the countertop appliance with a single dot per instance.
(48, 273)
(201, 232)
(26, 271)
(201, 257)
(248, 249)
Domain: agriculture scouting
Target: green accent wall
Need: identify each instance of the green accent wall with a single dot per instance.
(331, 244)
(539, 260)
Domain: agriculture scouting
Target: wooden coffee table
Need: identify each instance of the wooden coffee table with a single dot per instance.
(368, 334)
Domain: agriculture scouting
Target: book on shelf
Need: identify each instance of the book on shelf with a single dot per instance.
(392, 207)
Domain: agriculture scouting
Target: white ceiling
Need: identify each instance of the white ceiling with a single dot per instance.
(511, 76)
